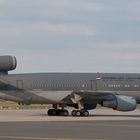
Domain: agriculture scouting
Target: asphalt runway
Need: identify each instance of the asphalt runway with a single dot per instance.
(103, 125)
(69, 130)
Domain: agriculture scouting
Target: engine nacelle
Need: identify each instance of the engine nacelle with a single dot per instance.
(121, 103)
(7, 63)
(89, 106)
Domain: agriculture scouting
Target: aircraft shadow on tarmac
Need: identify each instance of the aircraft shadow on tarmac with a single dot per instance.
(97, 115)
(115, 115)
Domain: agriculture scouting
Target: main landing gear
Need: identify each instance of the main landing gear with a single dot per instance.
(63, 112)
(78, 113)
(74, 113)
(58, 112)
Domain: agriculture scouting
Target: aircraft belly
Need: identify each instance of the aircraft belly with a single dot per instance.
(9, 96)
(35, 96)
(49, 96)
(52, 97)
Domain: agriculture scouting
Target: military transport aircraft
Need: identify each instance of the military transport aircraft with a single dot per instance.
(82, 91)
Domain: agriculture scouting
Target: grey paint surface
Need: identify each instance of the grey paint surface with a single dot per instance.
(64, 88)
(54, 87)
(7, 63)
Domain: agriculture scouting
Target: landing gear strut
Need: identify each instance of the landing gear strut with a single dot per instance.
(77, 99)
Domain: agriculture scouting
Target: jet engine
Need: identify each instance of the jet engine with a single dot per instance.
(121, 103)
(89, 106)
(7, 63)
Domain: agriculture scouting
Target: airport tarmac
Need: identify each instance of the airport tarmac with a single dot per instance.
(103, 124)
(41, 115)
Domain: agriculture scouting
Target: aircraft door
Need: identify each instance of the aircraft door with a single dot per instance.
(93, 85)
(19, 84)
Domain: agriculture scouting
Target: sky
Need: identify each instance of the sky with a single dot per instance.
(71, 35)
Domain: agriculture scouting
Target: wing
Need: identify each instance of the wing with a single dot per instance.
(90, 96)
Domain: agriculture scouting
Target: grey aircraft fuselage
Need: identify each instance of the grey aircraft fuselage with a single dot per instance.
(53, 88)
(83, 91)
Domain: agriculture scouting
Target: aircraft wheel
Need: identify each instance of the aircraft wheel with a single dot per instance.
(54, 112)
(78, 113)
(59, 112)
(73, 113)
(65, 113)
(50, 112)
(85, 113)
